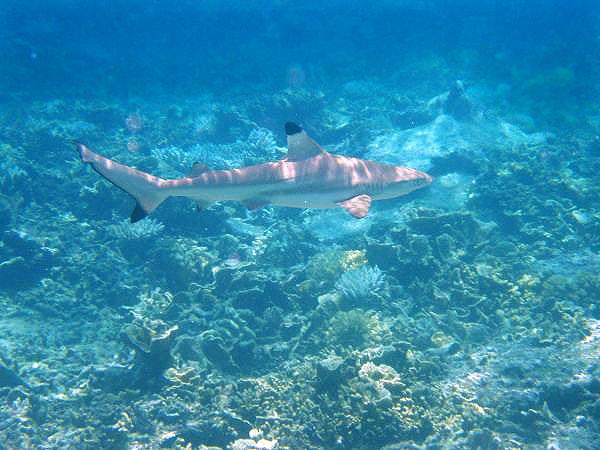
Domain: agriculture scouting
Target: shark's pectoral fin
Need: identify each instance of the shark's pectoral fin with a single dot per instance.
(357, 206)
(255, 203)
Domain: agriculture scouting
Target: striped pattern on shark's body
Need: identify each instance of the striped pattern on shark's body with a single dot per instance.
(308, 177)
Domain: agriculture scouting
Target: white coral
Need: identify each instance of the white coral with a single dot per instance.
(140, 230)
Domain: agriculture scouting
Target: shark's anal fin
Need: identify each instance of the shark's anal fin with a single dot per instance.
(357, 206)
(198, 169)
(300, 145)
(254, 203)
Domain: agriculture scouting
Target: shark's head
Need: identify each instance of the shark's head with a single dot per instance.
(403, 180)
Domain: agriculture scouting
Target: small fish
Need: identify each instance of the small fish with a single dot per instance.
(308, 177)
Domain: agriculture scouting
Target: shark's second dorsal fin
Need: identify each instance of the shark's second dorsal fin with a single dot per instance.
(300, 145)
(197, 169)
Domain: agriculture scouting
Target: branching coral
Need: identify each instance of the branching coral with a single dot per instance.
(360, 284)
(262, 141)
(11, 164)
(258, 147)
(325, 267)
(353, 328)
(140, 230)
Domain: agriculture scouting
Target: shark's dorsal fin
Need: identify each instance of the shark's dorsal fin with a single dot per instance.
(300, 145)
(197, 169)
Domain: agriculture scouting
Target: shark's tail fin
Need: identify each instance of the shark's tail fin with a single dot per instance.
(146, 189)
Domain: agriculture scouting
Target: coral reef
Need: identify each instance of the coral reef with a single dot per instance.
(360, 285)
(140, 230)
(464, 316)
(353, 328)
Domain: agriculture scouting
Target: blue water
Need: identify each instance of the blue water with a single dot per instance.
(464, 315)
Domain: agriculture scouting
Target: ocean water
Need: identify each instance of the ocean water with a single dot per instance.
(465, 315)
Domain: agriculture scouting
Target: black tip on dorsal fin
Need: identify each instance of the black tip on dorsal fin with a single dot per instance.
(137, 214)
(292, 128)
(300, 145)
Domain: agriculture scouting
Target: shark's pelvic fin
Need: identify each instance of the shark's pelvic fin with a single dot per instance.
(357, 206)
(255, 203)
(300, 145)
(146, 189)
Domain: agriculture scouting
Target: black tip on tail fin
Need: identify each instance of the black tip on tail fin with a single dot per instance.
(137, 214)
(292, 128)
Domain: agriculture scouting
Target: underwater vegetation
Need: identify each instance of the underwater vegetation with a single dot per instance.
(358, 285)
(140, 230)
(353, 328)
(465, 315)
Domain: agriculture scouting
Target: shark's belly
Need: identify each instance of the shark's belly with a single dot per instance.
(287, 194)
(309, 199)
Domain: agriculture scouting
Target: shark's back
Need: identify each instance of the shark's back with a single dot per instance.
(308, 177)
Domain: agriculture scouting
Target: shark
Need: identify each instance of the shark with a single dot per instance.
(307, 177)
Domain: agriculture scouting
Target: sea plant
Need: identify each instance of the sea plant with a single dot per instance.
(129, 231)
(351, 328)
(361, 283)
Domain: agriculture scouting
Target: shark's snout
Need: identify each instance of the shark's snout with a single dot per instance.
(420, 179)
(425, 176)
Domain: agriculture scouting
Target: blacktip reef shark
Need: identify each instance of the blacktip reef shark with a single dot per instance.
(308, 177)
